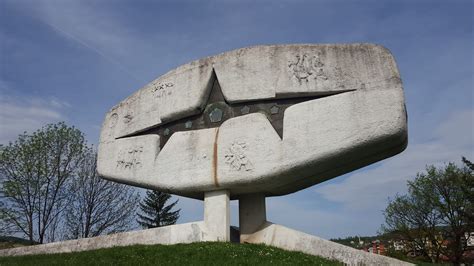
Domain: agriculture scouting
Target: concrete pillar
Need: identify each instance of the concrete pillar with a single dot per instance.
(217, 215)
(252, 214)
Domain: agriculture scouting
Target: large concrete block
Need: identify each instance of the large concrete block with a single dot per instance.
(267, 119)
(289, 239)
(166, 235)
(179, 93)
(265, 72)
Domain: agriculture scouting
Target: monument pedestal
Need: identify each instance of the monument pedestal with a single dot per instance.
(217, 215)
(252, 214)
(254, 228)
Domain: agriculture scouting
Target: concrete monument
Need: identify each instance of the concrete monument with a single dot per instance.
(258, 122)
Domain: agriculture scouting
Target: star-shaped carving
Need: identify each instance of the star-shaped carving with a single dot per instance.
(217, 110)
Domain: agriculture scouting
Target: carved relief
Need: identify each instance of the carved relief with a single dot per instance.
(306, 66)
(130, 107)
(160, 89)
(130, 158)
(236, 158)
(127, 118)
(113, 120)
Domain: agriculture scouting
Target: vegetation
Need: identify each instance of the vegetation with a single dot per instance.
(155, 212)
(35, 171)
(13, 242)
(356, 241)
(49, 189)
(98, 206)
(434, 216)
(181, 254)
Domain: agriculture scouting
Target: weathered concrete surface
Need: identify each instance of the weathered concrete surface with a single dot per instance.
(167, 235)
(217, 216)
(321, 139)
(269, 234)
(254, 228)
(178, 93)
(252, 214)
(289, 239)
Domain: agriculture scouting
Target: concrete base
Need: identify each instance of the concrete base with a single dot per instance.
(216, 227)
(289, 239)
(167, 235)
(269, 234)
(254, 228)
(217, 216)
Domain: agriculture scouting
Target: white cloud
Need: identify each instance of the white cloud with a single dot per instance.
(18, 115)
(56, 103)
(85, 23)
(89, 25)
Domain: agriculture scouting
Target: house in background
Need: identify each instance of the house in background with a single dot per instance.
(469, 239)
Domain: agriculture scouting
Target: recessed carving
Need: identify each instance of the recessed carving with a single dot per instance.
(216, 110)
(216, 115)
(113, 120)
(274, 110)
(236, 158)
(245, 110)
(306, 66)
(127, 118)
(188, 124)
(130, 158)
(160, 89)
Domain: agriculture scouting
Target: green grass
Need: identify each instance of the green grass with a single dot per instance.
(207, 253)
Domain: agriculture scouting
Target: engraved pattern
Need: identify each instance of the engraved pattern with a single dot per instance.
(245, 110)
(216, 115)
(113, 120)
(274, 110)
(160, 89)
(306, 66)
(127, 118)
(130, 159)
(236, 158)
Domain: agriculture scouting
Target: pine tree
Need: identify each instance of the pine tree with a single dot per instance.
(155, 213)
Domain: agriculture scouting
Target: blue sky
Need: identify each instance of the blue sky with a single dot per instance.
(71, 61)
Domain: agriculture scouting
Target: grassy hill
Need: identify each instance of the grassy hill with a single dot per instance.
(207, 253)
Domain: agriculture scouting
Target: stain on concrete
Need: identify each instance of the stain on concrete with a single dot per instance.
(214, 159)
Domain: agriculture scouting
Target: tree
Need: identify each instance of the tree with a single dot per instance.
(155, 213)
(34, 173)
(5, 227)
(468, 189)
(436, 213)
(99, 206)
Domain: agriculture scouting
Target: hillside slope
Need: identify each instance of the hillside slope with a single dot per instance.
(207, 253)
